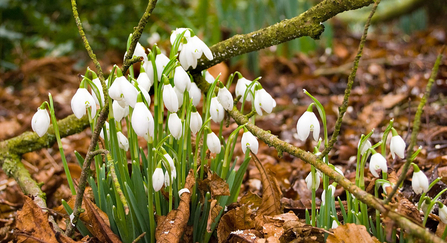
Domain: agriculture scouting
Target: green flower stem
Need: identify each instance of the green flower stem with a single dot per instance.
(430, 206)
(314, 189)
(228, 150)
(385, 136)
(416, 126)
(59, 144)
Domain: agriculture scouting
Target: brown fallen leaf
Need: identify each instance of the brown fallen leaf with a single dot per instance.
(351, 233)
(99, 228)
(372, 115)
(271, 194)
(216, 185)
(172, 228)
(300, 232)
(273, 226)
(243, 236)
(214, 212)
(240, 218)
(33, 226)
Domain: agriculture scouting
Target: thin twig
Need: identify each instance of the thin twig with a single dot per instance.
(342, 109)
(137, 34)
(416, 127)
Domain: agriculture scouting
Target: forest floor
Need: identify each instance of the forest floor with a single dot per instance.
(391, 79)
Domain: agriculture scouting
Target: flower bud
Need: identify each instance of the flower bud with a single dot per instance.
(40, 122)
(213, 143)
(158, 179)
(249, 141)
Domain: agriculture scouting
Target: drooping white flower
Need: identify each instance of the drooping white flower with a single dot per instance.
(195, 94)
(397, 147)
(216, 110)
(366, 145)
(81, 101)
(249, 141)
(154, 38)
(170, 98)
(101, 134)
(98, 85)
(168, 180)
(193, 50)
(309, 181)
(241, 87)
(443, 214)
(213, 143)
(145, 94)
(123, 142)
(195, 122)
(225, 98)
(177, 32)
(209, 78)
(419, 181)
(307, 123)
(334, 224)
(323, 195)
(175, 125)
(139, 51)
(161, 61)
(181, 79)
(144, 81)
(171, 163)
(142, 120)
(179, 97)
(40, 122)
(377, 163)
(157, 179)
(122, 90)
(118, 111)
(264, 101)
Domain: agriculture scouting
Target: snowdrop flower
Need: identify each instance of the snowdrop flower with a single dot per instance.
(158, 179)
(208, 77)
(424, 206)
(175, 125)
(142, 120)
(123, 142)
(216, 110)
(193, 50)
(181, 79)
(101, 134)
(334, 224)
(443, 214)
(225, 98)
(118, 111)
(81, 101)
(177, 32)
(397, 145)
(307, 123)
(170, 98)
(195, 94)
(98, 85)
(122, 90)
(241, 87)
(264, 101)
(161, 60)
(419, 181)
(153, 39)
(323, 195)
(377, 163)
(144, 81)
(171, 164)
(179, 97)
(309, 181)
(249, 141)
(168, 180)
(40, 121)
(145, 94)
(366, 145)
(195, 122)
(213, 143)
(139, 51)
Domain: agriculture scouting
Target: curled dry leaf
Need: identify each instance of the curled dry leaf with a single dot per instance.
(172, 228)
(244, 236)
(216, 185)
(99, 228)
(351, 233)
(273, 225)
(299, 232)
(271, 194)
(33, 226)
(240, 218)
(214, 212)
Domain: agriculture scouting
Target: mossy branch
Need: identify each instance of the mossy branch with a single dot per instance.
(416, 126)
(308, 23)
(342, 109)
(137, 34)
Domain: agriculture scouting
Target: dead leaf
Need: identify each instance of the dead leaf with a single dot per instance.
(173, 226)
(243, 236)
(372, 115)
(240, 218)
(99, 228)
(33, 226)
(299, 232)
(217, 185)
(214, 212)
(351, 233)
(271, 193)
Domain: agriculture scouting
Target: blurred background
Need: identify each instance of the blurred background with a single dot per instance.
(30, 29)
